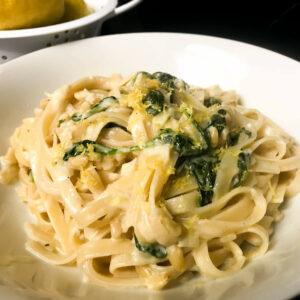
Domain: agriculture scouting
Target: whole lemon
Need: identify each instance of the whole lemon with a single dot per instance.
(75, 9)
(18, 14)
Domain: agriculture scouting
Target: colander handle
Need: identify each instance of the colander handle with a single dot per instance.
(119, 10)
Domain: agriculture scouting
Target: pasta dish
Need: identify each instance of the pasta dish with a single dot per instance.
(139, 180)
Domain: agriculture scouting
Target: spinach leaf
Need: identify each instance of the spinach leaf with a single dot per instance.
(211, 101)
(218, 120)
(203, 172)
(133, 80)
(166, 80)
(203, 135)
(163, 77)
(76, 118)
(31, 178)
(181, 143)
(83, 147)
(154, 249)
(102, 105)
(154, 102)
(243, 165)
(203, 169)
(113, 124)
(60, 122)
(205, 197)
(235, 135)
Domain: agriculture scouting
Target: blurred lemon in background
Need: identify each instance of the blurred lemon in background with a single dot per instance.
(17, 14)
(75, 9)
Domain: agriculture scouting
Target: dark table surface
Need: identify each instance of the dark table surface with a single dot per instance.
(273, 25)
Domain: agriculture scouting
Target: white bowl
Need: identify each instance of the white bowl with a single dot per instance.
(14, 43)
(265, 80)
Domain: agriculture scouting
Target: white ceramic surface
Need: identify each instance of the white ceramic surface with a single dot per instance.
(265, 80)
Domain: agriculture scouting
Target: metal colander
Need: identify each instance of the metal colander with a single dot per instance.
(14, 43)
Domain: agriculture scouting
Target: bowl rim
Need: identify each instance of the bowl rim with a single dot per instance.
(101, 14)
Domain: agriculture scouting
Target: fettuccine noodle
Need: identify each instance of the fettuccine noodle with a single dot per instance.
(139, 180)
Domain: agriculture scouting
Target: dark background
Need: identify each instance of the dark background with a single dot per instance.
(272, 25)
